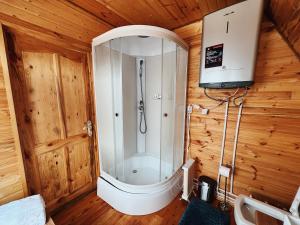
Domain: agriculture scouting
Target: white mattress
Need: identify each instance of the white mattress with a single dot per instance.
(26, 211)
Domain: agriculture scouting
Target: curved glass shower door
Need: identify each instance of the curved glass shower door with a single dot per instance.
(140, 85)
(115, 46)
(168, 82)
(173, 108)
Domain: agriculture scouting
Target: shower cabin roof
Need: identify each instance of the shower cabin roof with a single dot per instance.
(136, 43)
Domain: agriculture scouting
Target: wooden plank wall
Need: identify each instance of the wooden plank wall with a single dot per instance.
(12, 176)
(268, 153)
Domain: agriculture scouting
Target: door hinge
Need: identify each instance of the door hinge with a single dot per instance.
(88, 128)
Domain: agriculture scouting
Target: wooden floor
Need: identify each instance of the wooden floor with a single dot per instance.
(92, 210)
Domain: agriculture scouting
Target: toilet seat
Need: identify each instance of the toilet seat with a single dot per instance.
(245, 207)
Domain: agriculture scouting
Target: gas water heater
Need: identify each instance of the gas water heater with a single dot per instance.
(229, 45)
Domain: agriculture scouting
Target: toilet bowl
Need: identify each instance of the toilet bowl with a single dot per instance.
(245, 208)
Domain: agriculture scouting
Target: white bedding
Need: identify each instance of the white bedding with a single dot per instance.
(26, 211)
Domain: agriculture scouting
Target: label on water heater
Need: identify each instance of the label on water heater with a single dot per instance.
(214, 56)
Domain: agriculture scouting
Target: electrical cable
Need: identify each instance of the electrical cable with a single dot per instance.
(240, 97)
(220, 99)
(212, 107)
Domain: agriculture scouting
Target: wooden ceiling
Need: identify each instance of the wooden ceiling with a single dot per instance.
(169, 14)
(82, 20)
(286, 16)
(172, 14)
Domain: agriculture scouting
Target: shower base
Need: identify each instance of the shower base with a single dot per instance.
(143, 176)
(139, 190)
(143, 169)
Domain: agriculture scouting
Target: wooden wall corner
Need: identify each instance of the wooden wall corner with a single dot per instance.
(13, 122)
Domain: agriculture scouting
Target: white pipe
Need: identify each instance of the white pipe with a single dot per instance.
(237, 128)
(223, 142)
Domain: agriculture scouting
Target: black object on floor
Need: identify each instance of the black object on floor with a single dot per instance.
(212, 186)
(199, 212)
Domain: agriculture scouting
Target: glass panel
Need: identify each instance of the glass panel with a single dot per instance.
(141, 89)
(116, 70)
(181, 79)
(130, 113)
(153, 67)
(104, 107)
(142, 103)
(168, 108)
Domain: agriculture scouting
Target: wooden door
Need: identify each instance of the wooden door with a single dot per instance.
(52, 100)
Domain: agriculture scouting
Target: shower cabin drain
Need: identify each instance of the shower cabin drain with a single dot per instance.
(134, 171)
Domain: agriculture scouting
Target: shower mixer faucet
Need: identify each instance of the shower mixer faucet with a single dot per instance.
(157, 97)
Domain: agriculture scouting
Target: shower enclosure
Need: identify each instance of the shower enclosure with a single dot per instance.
(140, 90)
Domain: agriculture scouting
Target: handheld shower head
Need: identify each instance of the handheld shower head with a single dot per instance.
(141, 68)
(141, 107)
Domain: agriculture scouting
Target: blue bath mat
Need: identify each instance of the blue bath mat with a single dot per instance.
(201, 213)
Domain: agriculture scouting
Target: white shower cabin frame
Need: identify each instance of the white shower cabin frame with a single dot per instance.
(127, 198)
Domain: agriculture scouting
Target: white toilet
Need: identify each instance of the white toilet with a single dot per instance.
(245, 207)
